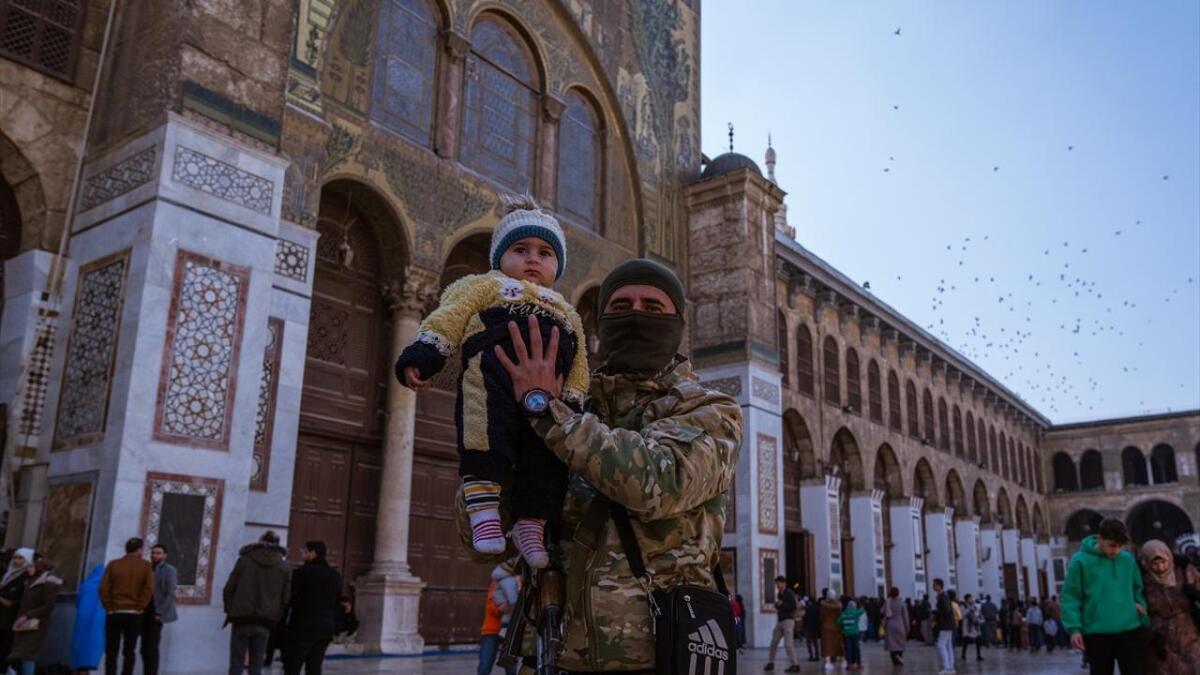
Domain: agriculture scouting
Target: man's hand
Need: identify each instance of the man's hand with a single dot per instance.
(534, 368)
(1077, 641)
(412, 378)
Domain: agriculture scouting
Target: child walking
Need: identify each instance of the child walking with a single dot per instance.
(496, 445)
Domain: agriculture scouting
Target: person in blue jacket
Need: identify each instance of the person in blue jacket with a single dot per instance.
(87, 640)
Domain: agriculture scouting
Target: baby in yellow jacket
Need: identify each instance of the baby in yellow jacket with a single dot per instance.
(496, 445)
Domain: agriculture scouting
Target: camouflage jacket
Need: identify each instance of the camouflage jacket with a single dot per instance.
(666, 449)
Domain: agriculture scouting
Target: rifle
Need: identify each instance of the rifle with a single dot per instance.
(542, 593)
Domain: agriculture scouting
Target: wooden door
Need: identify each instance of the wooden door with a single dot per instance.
(335, 487)
(1011, 591)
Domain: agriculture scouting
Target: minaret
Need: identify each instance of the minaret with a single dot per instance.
(770, 159)
(781, 223)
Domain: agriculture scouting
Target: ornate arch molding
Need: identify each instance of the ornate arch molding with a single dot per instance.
(28, 199)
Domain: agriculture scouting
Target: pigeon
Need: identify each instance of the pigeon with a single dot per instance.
(995, 168)
(1166, 177)
(897, 32)
(1070, 148)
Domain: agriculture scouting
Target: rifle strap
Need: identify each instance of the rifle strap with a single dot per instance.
(633, 552)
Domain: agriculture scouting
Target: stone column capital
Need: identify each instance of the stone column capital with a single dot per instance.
(553, 107)
(413, 294)
(457, 44)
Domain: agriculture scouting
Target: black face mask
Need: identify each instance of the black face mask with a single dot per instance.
(639, 343)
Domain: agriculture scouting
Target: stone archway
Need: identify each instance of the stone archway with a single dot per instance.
(1080, 524)
(1023, 517)
(1157, 519)
(1004, 510)
(979, 498)
(339, 449)
(956, 496)
(799, 465)
(889, 479)
(845, 460)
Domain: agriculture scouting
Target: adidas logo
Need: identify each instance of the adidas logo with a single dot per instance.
(707, 643)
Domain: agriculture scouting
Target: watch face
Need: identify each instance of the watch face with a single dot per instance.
(536, 401)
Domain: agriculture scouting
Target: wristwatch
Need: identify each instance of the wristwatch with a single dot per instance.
(536, 402)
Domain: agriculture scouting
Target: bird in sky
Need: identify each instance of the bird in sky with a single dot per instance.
(897, 32)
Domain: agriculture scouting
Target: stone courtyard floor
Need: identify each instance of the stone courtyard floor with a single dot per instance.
(918, 659)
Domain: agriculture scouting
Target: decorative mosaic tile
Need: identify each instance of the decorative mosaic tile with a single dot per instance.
(92, 346)
(124, 176)
(730, 386)
(193, 537)
(204, 334)
(37, 378)
(291, 260)
(764, 390)
(212, 176)
(264, 419)
(768, 491)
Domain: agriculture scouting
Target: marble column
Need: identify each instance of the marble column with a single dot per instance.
(866, 521)
(908, 549)
(937, 534)
(1010, 548)
(547, 173)
(989, 563)
(450, 98)
(966, 535)
(389, 596)
(820, 515)
(1029, 563)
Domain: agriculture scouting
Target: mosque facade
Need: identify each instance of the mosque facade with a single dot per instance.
(196, 334)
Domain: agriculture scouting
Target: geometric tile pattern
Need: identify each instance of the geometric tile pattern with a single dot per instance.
(211, 489)
(206, 174)
(91, 348)
(37, 376)
(119, 178)
(291, 260)
(764, 390)
(731, 386)
(264, 420)
(768, 514)
(200, 355)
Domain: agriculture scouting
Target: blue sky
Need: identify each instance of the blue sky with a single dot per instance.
(1031, 138)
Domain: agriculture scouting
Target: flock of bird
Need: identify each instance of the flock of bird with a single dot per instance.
(1010, 338)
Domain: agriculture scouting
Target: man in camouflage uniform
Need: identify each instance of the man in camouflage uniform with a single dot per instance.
(651, 439)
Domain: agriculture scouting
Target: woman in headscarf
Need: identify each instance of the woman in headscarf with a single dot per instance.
(87, 640)
(833, 647)
(12, 585)
(1170, 590)
(895, 626)
(33, 616)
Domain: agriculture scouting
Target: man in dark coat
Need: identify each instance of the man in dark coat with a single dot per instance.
(161, 610)
(316, 590)
(255, 596)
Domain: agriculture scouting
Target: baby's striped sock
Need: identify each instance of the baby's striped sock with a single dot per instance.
(483, 509)
(530, 536)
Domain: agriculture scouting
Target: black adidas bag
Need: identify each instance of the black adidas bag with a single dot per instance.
(693, 625)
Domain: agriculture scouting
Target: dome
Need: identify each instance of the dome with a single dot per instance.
(728, 163)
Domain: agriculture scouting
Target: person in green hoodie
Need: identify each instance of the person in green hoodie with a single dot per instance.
(1103, 606)
(848, 622)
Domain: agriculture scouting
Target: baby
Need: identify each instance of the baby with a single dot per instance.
(496, 444)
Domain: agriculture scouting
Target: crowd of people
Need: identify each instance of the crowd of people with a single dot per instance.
(1115, 609)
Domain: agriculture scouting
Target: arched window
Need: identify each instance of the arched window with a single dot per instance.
(972, 454)
(943, 425)
(996, 468)
(1024, 470)
(1133, 467)
(1065, 479)
(1162, 464)
(894, 415)
(1091, 471)
(402, 98)
(580, 162)
(1035, 468)
(499, 122)
(782, 328)
(983, 445)
(874, 392)
(804, 360)
(853, 381)
(833, 389)
(958, 435)
(927, 408)
(1012, 459)
(1004, 458)
(914, 429)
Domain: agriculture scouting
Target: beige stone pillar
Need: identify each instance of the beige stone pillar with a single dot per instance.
(388, 598)
(546, 181)
(450, 98)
